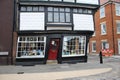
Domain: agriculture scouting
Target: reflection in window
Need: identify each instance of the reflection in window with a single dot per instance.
(73, 46)
(31, 46)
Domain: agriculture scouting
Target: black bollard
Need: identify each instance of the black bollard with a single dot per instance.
(101, 59)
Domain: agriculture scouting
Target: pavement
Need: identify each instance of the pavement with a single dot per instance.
(92, 70)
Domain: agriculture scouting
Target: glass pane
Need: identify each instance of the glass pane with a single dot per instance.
(80, 10)
(67, 9)
(73, 46)
(50, 8)
(35, 8)
(50, 17)
(23, 9)
(84, 10)
(55, 9)
(67, 17)
(62, 17)
(29, 8)
(56, 17)
(41, 8)
(61, 9)
(75, 10)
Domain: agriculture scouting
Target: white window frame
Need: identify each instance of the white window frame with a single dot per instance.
(117, 9)
(117, 22)
(30, 56)
(93, 42)
(104, 41)
(103, 28)
(83, 46)
(102, 12)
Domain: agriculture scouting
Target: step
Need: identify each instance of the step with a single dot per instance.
(52, 62)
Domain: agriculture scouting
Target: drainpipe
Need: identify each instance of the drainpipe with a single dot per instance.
(112, 28)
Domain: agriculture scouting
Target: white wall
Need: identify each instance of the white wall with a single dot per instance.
(83, 22)
(31, 21)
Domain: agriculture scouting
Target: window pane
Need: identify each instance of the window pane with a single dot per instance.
(55, 9)
(67, 17)
(67, 9)
(103, 28)
(23, 9)
(41, 8)
(35, 8)
(102, 12)
(29, 8)
(50, 17)
(31, 48)
(118, 27)
(75, 10)
(56, 17)
(50, 8)
(73, 46)
(61, 9)
(80, 10)
(62, 17)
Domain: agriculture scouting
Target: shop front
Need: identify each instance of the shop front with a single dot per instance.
(64, 48)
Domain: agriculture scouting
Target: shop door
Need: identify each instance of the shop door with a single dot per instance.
(53, 49)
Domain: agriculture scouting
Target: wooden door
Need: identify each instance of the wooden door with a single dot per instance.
(53, 49)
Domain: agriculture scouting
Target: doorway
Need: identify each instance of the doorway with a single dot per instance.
(53, 49)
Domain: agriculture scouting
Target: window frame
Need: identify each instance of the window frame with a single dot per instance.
(93, 46)
(102, 12)
(117, 9)
(103, 46)
(26, 42)
(118, 22)
(69, 51)
(102, 25)
(53, 11)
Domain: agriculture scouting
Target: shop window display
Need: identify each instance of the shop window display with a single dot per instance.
(31, 46)
(73, 46)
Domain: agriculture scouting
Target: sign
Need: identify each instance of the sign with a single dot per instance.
(3, 53)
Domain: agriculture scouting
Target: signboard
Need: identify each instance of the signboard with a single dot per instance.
(31, 21)
(83, 22)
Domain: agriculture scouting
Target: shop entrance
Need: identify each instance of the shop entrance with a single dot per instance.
(53, 49)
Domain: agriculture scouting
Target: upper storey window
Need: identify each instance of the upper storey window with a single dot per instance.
(117, 9)
(58, 15)
(102, 12)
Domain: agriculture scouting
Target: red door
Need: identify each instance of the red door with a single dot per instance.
(53, 49)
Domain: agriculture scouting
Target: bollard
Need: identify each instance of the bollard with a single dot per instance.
(101, 59)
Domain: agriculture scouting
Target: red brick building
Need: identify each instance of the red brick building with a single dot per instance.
(107, 27)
